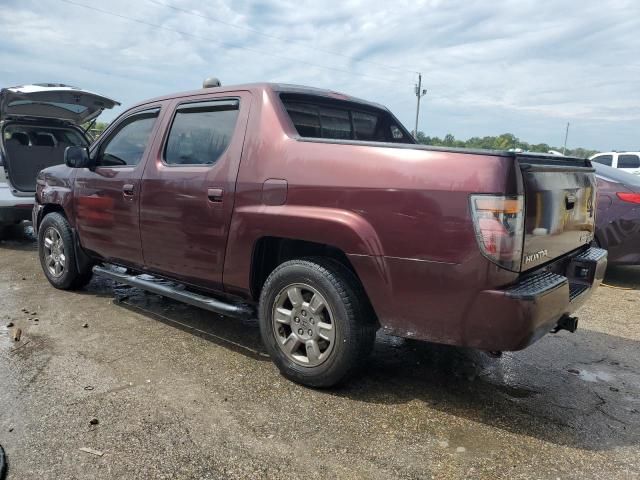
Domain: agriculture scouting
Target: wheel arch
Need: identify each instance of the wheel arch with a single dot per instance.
(45, 210)
(334, 232)
(270, 251)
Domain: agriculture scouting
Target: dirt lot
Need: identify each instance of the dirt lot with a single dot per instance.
(181, 393)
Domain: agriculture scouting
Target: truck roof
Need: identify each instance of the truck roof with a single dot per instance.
(259, 87)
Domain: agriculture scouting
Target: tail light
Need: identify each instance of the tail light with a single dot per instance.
(499, 227)
(629, 197)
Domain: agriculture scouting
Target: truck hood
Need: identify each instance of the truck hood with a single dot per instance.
(52, 101)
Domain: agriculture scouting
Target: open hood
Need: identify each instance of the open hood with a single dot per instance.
(52, 101)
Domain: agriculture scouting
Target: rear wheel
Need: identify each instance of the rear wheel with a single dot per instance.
(57, 254)
(315, 321)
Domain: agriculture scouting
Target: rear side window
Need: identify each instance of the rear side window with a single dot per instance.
(628, 161)
(603, 159)
(317, 117)
(201, 132)
(126, 146)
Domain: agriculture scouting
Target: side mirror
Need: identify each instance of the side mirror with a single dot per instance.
(77, 157)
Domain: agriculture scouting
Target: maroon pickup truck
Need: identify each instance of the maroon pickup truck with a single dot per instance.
(319, 213)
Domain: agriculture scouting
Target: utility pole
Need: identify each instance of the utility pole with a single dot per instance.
(419, 93)
(566, 134)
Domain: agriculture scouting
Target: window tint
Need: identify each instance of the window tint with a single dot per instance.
(365, 125)
(201, 132)
(318, 117)
(628, 161)
(335, 123)
(128, 144)
(603, 159)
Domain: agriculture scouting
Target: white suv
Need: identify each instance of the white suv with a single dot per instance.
(37, 123)
(625, 161)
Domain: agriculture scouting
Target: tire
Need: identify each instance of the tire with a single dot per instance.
(57, 254)
(330, 309)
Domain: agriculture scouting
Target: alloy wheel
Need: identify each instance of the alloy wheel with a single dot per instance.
(304, 325)
(54, 255)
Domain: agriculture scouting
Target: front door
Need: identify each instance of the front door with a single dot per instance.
(188, 188)
(107, 196)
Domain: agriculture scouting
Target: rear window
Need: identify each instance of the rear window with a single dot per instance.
(603, 160)
(319, 117)
(628, 161)
(34, 136)
(72, 107)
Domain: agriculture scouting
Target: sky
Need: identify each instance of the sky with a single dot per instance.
(489, 67)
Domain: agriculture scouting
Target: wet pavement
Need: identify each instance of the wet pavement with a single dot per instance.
(181, 393)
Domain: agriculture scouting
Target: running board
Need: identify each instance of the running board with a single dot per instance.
(175, 291)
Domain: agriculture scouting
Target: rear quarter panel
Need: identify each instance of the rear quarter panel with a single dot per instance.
(401, 215)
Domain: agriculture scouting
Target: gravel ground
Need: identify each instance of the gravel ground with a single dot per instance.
(181, 393)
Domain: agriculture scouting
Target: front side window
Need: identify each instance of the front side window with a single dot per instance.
(201, 132)
(628, 161)
(127, 145)
(603, 160)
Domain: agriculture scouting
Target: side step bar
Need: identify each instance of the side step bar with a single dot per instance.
(175, 291)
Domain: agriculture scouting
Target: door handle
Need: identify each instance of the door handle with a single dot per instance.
(215, 195)
(128, 189)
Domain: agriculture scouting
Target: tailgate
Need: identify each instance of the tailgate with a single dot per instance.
(559, 206)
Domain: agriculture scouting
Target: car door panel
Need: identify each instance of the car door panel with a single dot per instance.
(185, 210)
(106, 196)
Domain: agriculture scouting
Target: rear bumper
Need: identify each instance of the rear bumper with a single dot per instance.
(443, 303)
(14, 209)
(517, 316)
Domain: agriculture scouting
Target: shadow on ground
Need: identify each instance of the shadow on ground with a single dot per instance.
(18, 237)
(623, 277)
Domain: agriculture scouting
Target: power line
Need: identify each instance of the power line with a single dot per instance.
(281, 39)
(225, 44)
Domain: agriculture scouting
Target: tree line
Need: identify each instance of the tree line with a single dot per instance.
(501, 142)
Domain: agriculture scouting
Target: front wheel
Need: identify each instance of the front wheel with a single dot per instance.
(57, 254)
(316, 322)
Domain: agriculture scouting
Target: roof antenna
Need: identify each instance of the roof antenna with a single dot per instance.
(211, 82)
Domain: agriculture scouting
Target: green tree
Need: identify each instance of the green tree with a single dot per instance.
(504, 141)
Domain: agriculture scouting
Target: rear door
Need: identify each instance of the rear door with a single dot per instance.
(107, 197)
(189, 185)
(559, 206)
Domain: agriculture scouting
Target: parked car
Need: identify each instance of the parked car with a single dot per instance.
(618, 217)
(37, 123)
(626, 161)
(318, 212)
